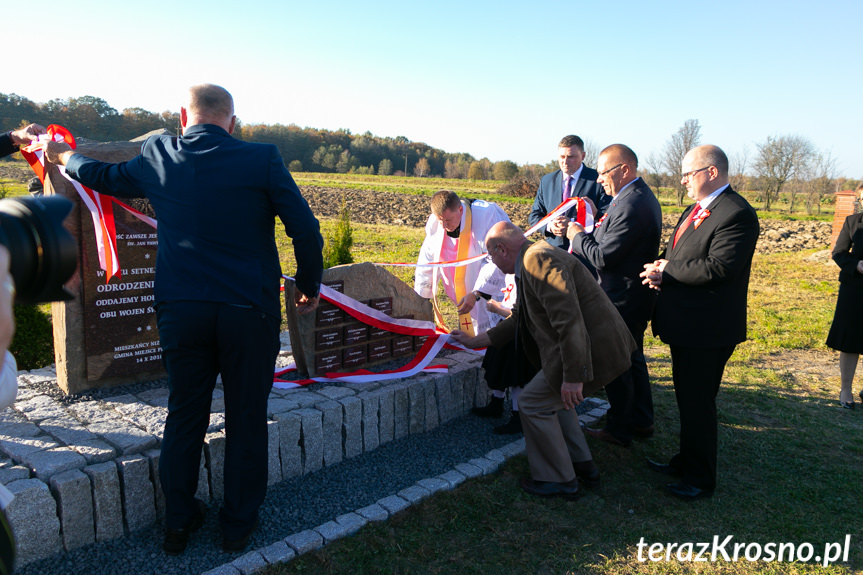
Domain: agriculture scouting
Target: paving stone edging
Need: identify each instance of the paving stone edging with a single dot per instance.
(88, 472)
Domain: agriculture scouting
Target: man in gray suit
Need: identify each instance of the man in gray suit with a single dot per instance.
(571, 180)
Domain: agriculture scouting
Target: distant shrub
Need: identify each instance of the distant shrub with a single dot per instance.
(521, 186)
(33, 344)
(295, 166)
(337, 247)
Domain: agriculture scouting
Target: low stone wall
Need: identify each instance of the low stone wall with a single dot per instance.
(87, 471)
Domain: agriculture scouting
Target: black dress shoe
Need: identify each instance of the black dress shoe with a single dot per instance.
(643, 432)
(587, 473)
(688, 492)
(511, 427)
(847, 404)
(237, 545)
(664, 468)
(568, 490)
(493, 409)
(176, 540)
(606, 436)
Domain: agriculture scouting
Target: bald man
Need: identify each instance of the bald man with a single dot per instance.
(702, 279)
(626, 238)
(217, 295)
(568, 328)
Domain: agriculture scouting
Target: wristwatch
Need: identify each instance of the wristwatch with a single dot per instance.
(479, 295)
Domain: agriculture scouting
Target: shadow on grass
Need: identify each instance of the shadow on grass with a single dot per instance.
(789, 472)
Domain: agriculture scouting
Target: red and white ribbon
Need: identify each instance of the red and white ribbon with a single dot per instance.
(101, 207)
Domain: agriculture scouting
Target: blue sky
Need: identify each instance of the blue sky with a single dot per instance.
(503, 80)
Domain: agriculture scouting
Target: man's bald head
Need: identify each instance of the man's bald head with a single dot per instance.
(710, 155)
(503, 242)
(209, 104)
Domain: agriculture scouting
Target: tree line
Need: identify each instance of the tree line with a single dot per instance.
(782, 169)
(304, 149)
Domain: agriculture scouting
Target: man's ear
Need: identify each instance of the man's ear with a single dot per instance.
(233, 124)
(184, 117)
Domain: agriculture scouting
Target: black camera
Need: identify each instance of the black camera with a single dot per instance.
(43, 255)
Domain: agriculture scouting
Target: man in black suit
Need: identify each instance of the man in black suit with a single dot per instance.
(217, 295)
(703, 280)
(571, 180)
(626, 238)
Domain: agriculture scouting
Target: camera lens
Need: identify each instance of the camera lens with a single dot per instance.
(43, 254)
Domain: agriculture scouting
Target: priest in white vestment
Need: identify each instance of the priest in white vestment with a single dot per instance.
(456, 230)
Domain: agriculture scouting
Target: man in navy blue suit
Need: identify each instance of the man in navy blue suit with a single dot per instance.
(626, 238)
(572, 179)
(217, 295)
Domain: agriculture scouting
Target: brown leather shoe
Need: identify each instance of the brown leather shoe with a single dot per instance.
(605, 435)
(568, 490)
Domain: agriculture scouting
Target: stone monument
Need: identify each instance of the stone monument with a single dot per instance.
(107, 334)
(330, 340)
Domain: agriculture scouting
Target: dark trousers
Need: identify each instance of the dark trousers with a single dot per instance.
(629, 395)
(199, 341)
(697, 373)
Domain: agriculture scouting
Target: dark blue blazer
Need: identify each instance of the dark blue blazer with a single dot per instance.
(216, 199)
(703, 299)
(626, 239)
(6, 146)
(550, 194)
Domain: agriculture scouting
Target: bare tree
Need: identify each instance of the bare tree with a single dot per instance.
(653, 172)
(591, 152)
(686, 138)
(780, 159)
(738, 164)
(824, 172)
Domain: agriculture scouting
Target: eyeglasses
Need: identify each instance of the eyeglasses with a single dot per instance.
(609, 170)
(688, 175)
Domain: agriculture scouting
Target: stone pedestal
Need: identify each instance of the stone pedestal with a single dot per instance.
(846, 204)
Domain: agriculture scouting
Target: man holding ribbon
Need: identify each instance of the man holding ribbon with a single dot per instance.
(573, 179)
(217, 295)
(623, 240)
(703, 280)
(455, 232)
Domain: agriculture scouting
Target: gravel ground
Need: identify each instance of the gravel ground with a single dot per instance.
(295, 505)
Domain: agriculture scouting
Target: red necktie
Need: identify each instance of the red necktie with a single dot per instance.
(685, 224)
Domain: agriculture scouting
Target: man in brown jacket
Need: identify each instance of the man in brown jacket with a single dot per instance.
(568, 327)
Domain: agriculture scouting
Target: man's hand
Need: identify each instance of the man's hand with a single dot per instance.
(57, 152)
(497, 308)
(573, 230)
(652, 274)
(305, 304)
(25, 135)
(473, 342)
(467, 303)
(557, 226)
(572, 394)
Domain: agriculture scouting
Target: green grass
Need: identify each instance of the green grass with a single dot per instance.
(790, 466)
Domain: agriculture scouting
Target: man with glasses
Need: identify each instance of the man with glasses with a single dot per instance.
(571, 180)
(624, 239)
(702, 279)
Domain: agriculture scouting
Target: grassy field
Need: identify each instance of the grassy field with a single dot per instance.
(790, 464)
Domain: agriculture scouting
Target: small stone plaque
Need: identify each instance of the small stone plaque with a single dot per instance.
(382, 304)
(403, 345)
(376, 333)
(328, 315)
(328, 361)
(338, 285)
(355, 333)
(380, 350)
(328, 338)
(419, 341)
(356, 355)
